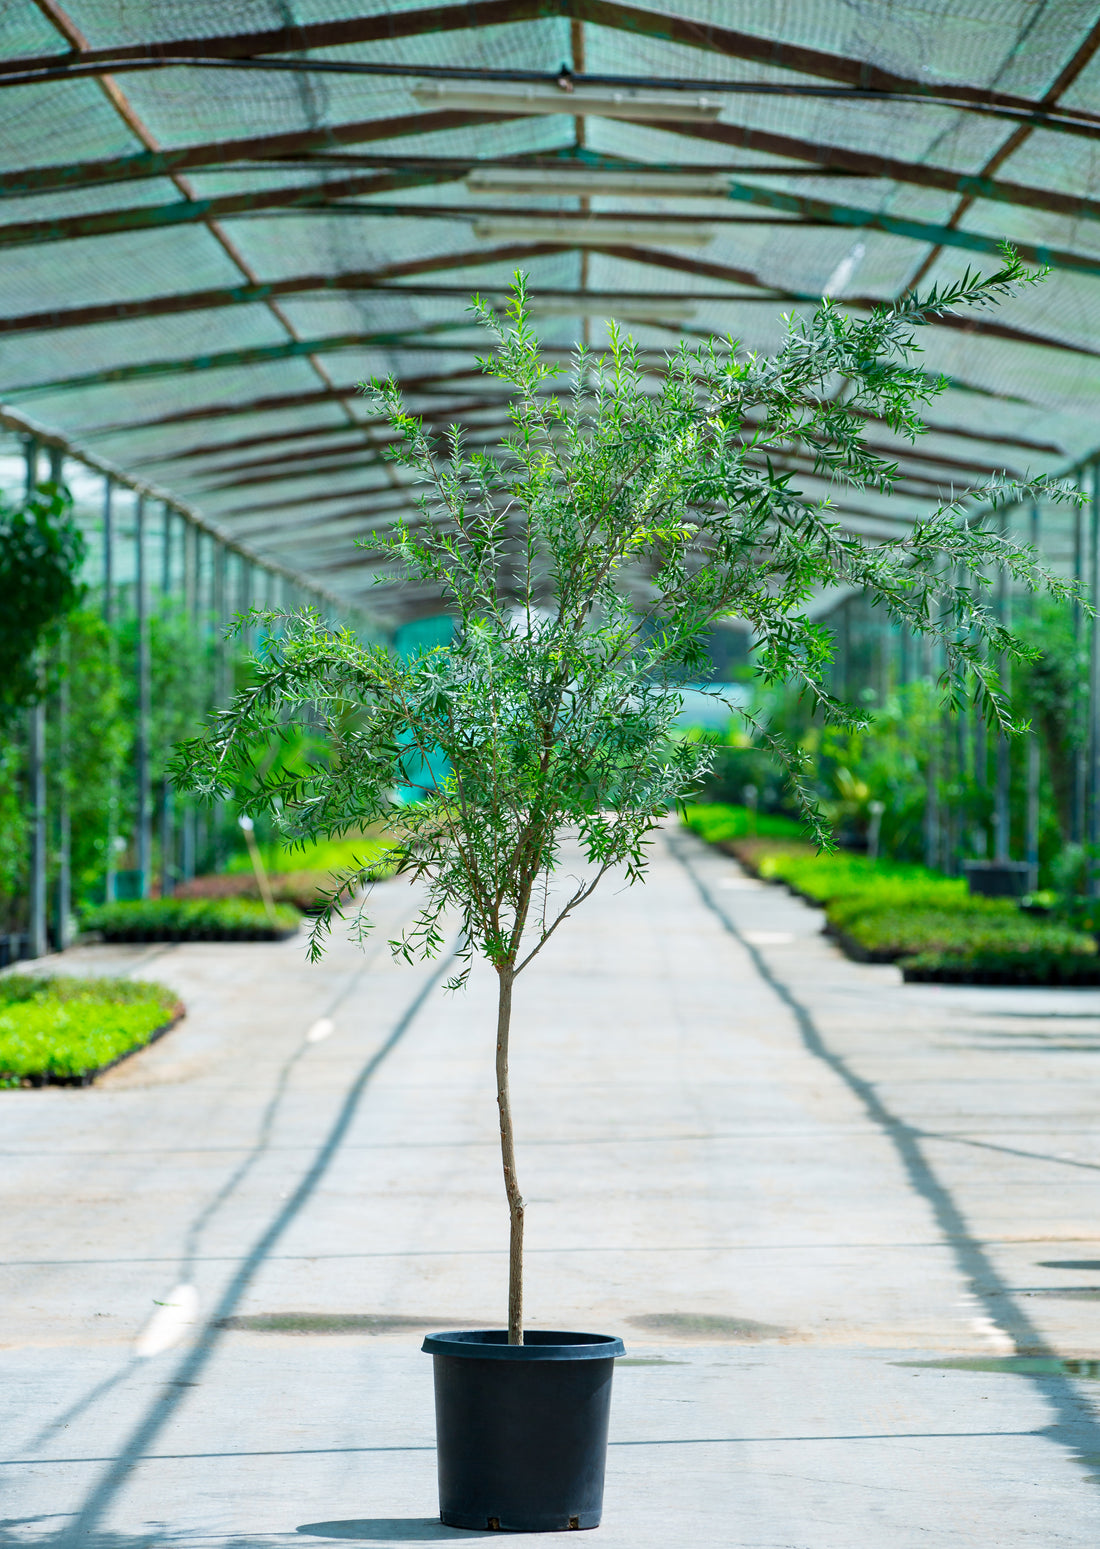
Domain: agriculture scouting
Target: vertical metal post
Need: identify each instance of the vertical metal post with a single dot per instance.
(37, 945)
(64, 813)
(220, 621)
(109, 619)
(64, 896)
(36, 783)
(1034, 752)
(245, 596)
(167, 869)
(191, 606)
(962, 752)
(221, 679)
(165, 804)
(166, 553)
(932, 771)
(190, 569)
(108, 551)
(1094, 691)
(144, 698)
(1080, 730)
(1001, 814)
(1033, 772)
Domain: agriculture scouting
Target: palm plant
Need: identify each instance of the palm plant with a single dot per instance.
(583, 563)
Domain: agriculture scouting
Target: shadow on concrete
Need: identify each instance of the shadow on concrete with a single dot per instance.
(1075, 1427)
(333, 1323)
(82, 1530)
(387, 1530)
(702, 1326)
(185, 1273)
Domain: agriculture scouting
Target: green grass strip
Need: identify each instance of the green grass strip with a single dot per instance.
(190, 919)
(66, 1027)
(884, 911)
(719, 822)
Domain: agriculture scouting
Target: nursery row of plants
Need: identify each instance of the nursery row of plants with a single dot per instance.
(883, 911)
(65, 1030)
(920, 784)
(74, 643)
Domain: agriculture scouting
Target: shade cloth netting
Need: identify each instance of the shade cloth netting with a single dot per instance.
(208, 237)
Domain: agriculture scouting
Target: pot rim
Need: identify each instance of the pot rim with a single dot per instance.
(539, 1345)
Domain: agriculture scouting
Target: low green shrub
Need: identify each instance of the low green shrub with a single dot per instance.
(887, 934)
(823, 878)
(718, 823)
(65, 1029)
(191, 919)
(884, 912)
(1032, 963)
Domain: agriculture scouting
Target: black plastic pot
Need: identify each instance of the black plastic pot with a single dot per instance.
(521, 1430)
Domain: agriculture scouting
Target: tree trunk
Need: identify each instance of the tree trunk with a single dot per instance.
(506, 977)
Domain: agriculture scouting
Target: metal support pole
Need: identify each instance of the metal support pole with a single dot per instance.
(961, 802)
(108, 619)
(1080, 754)
(166, 554)
(1094, 691)
(108, 552)
(221, 618)
(36, 784)
(1033, 773)
(37, 944)
(144, 700)
(64, 813)
(1031, 836)
(191, 569)
(221, 681)
(931, 774)
(167, 868)
(64, 896)
(245, 592)
(191, 609)
(1001, 813)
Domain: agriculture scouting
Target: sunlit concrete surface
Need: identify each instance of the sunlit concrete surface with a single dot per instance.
(799, 1189)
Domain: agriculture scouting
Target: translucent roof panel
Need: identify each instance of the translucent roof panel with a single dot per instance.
(216, 224)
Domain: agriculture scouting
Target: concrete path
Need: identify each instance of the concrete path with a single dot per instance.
(848, 1228)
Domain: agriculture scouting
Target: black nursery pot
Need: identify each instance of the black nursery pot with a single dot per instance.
(521, 1430)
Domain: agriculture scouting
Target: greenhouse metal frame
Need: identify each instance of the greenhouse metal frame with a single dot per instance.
(217, 223)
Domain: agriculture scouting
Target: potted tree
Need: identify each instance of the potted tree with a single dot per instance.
(582, 564)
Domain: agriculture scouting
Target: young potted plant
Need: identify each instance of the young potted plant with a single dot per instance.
(582, 564)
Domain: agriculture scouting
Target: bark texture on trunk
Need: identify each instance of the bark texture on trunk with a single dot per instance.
(506, 978)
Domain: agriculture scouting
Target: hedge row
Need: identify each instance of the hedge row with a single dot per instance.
(928, 924)
(718, 823)
(65, 1030)
(301, 890)
(191, 919)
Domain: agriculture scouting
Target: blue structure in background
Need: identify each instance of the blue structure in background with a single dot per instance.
(424, 774)
(702, 708)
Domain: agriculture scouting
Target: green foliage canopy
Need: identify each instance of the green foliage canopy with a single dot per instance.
(41, 551)
(583, 563)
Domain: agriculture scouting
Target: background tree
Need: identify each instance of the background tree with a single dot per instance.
(41, 551)
(584, 563)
